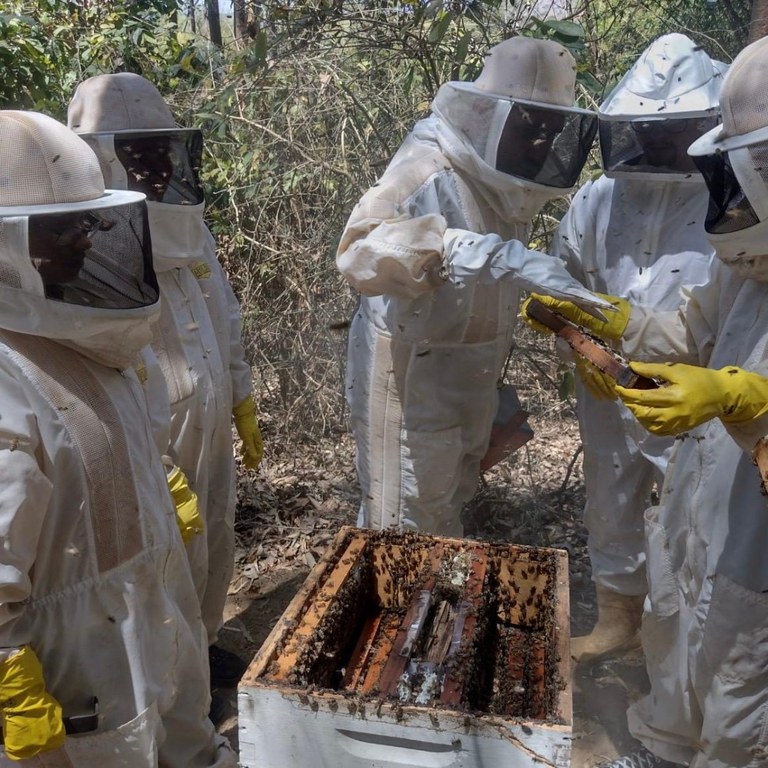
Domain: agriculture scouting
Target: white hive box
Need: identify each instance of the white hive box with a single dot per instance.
(413, 650)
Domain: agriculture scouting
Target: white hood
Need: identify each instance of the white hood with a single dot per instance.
(673, 80)
(46, 169)
(673, 77)
(468, 118)
(509, 197)
(466, 124)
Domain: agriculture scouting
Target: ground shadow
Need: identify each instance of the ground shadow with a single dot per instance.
(249, 618)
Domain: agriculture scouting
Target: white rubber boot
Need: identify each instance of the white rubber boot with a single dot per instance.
(617, 629)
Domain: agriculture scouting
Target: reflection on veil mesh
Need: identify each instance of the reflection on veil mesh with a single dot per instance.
(117, 272)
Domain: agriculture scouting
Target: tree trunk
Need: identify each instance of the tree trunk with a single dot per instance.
(737, 17)
(192, 15)
(241, 20)
(214, 23)
(758, 23)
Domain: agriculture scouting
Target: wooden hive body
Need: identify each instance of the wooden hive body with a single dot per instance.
(413, 650)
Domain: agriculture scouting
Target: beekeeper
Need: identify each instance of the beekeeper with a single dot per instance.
(706, 622)
(100, 632)
(197, 340)
(636, 232)
(429, 246)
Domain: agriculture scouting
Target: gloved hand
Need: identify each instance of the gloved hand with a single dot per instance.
(695, 395)
(598, 384)
(248, 429)
(32, 719)
(188, 516)
(612, 328)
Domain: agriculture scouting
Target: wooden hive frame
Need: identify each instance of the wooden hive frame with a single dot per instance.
(527, 626)
(375, 668)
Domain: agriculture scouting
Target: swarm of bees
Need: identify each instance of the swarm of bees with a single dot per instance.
(420, 621)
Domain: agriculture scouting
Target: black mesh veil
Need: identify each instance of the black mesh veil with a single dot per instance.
(729, 209)
(164, 165)
(545, 145)
(98, 258)
(654, 145)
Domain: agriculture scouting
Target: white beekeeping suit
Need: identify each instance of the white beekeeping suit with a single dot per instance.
(98, 613)
(429, 246)
(705, 633)
(705, 626)
(637, 232)
(197, 340)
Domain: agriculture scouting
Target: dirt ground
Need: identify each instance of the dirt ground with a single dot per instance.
(290, 509)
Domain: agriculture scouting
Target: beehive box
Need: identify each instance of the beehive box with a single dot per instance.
(413, 650)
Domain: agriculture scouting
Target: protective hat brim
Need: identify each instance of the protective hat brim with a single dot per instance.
(138, 132)
(110, 199)
(630, 106)
(635, 117)
(713, 141)
(462, 85)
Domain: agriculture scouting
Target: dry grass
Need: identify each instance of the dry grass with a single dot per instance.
(306, 487)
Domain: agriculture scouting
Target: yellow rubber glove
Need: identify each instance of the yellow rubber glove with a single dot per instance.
(32, 719)
(694, 395)
(612, 328)
(248, 429)
(598, 384)
(188, 516)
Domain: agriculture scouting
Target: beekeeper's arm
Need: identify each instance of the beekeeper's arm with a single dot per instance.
(685, 335)
(150, 376)
(244, 408)
(691, 393)
(152, 381)
(31, 717)
(573, 243)
(386, 251)
(239, 369)
(487, 258)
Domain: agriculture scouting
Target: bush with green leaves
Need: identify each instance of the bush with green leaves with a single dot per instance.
(302, 117)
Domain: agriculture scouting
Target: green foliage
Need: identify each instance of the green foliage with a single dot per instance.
(302, 117)
(617, 32)
(48, 46)
(32, 55)
(566, 382)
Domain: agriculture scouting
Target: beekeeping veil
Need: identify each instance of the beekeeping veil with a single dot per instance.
(75, 263)
(733, 158)
(130, 127)
(667, 99)
(514, 132)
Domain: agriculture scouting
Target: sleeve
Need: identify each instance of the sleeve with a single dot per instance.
(401, 256)
(685, 335)
(487, 258)
(384, 250)
(25, 493)
(747, 434)
(155, 390)
(239, 369)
